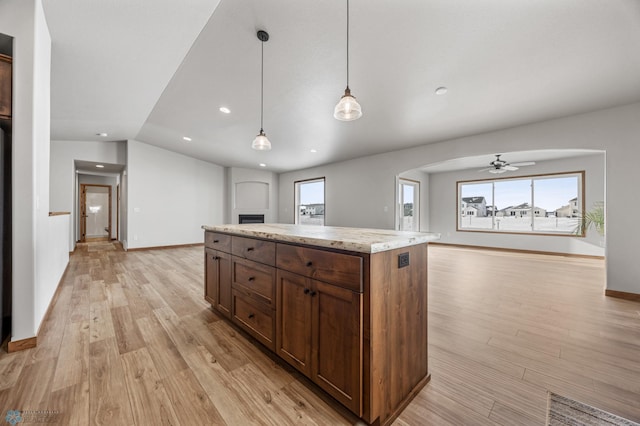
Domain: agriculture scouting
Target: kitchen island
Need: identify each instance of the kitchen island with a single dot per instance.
(347, 307)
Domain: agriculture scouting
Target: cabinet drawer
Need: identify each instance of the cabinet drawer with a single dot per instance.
(256, 319)
(255, 280)
(258, 250)
(217, 241)
(340, 269)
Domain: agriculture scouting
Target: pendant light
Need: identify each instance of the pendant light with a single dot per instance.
(261, 143)
(348, 109)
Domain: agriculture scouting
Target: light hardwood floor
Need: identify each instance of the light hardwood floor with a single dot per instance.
(130, 340)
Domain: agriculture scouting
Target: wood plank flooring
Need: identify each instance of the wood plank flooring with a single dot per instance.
(130, 340)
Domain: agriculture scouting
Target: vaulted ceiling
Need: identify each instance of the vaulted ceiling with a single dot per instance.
(159, 70)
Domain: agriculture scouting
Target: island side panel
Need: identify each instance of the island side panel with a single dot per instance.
(398, 318)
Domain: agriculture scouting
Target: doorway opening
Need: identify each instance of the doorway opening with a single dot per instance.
(95, 212)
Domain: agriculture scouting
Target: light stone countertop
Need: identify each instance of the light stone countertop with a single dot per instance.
(352, 239)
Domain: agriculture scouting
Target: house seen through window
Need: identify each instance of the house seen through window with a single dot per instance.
(309, 202)
(546, 204)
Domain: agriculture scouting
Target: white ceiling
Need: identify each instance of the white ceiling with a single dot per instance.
(156, 71)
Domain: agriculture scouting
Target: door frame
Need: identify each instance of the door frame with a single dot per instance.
(400, 201)
(83, 212)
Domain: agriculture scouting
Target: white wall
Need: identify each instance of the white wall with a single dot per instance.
(112, 181)
(443, 211)
(38, 258)
(170, 196)
(63, 177)
(240, 202)
(367, 184)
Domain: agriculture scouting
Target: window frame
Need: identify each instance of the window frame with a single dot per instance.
(296, 199)
(416, 203)
(580, 174)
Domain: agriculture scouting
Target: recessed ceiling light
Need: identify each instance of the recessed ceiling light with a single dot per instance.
(225, 110)
(100, 166)
(262, 165)
(103, 135)
(441, 90)
(186, 138)
(313, 151)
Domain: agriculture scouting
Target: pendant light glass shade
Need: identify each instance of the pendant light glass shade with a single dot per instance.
(348, 109)
(261, 143)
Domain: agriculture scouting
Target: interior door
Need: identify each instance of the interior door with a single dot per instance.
(95, 209)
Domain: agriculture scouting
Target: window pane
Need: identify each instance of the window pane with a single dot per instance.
(310, 202)
(476, 206)
(408, 206)
(513, 202)
(556, 201)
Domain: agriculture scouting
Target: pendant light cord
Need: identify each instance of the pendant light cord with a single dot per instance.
(262, 86)
(347, 43)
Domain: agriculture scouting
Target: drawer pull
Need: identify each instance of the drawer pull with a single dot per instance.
(309, 263)
(313, 293)
(249, 248)
(306, 291)
(215, 257)
(251, 316)
(216, 241)
(252, 278)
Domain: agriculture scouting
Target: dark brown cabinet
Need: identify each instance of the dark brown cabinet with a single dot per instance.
(355, 323)
(5, 86)
(218, 280)
(319, 331)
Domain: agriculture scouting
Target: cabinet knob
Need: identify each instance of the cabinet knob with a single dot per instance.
(252, 278)
(313, 293)
(250, 249)
(306, 291)
(309, 263)
(215, 257)
(251, 316)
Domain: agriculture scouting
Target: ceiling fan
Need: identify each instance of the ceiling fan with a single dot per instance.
(501, 166)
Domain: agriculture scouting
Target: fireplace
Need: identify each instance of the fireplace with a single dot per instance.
(250, 218)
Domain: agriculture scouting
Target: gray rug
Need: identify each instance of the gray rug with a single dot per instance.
(565, 411)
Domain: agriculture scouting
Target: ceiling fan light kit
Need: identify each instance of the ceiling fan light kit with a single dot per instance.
(498, 166)
(261, 143)
(348, 108)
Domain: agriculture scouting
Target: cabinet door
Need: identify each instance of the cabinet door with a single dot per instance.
(293, 326)
(337, 343)
(211, 277)
(217, 289)
(5, 86)
(224, 283)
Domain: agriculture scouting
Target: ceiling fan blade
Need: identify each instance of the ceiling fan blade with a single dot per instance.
(497, 171)
(484, 170)
(525, 163)
(510, 167)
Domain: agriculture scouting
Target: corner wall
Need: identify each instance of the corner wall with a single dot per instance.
(368, 184)
(170, 196)
(63, 176)
(443, 188)
(38, 256)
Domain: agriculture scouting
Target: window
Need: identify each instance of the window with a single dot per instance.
(540, 204)
(309, 202)
(408, 211)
